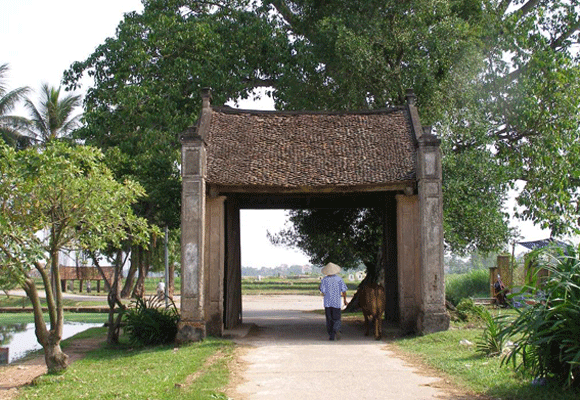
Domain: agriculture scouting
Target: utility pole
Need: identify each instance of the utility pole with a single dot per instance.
(166, 267)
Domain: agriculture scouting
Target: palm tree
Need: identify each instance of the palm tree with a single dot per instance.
(53, 118)
(11, 126)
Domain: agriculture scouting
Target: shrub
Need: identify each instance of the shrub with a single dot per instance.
(149, 322)
(491, 341)
(548, 332)
(465, 310)
(475, 283)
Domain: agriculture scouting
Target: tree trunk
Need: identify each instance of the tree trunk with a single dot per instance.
(56, 361)
(131, 274)
(144, 263)
(115, 318)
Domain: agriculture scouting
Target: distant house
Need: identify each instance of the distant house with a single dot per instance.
(531, 263)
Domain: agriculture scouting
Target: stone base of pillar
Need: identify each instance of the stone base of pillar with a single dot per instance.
(190, 331)
(432, 322)
(215, 325)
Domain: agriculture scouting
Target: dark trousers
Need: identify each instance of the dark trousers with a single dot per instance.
(332, 320)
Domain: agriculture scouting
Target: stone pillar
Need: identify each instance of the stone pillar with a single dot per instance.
(192, 326)
(433, 316)
(409, 276)
(214, 265)
(505, 270)
(390, 260)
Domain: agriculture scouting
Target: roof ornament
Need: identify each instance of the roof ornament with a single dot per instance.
(411, 98)
(206, 97)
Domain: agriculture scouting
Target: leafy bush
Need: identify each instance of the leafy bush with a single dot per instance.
(548, 331)
(465, 311)
(149, 322)
(475, 283)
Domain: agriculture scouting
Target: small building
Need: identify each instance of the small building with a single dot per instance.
(530, 264)
(247, 159)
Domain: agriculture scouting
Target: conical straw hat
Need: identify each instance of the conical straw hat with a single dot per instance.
(331, 269)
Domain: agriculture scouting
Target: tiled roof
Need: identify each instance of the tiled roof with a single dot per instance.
(301, 149)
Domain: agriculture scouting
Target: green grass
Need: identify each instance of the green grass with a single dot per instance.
(473, 371)
(281, 286)
(28, 318)
(17, 301)
(141, 373)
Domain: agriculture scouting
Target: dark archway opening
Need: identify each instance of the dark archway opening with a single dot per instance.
(236, 201)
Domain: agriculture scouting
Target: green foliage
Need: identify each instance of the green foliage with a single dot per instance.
(499, 81)
(548, 344)
(466, 310)
(454, 264)
(149, 322)
(474, 283)
(53, 117)
(346, 236)
(475, 188)
(491, 342)
(67, 191)
(147, 84)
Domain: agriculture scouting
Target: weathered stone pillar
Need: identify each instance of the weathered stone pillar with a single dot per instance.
(193, 202)
(408, 247)
(214, 265)
(433, 316)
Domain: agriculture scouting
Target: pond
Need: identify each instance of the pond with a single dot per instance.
(20, 338)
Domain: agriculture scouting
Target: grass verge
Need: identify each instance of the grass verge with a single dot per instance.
(195, 371)
(475, 372)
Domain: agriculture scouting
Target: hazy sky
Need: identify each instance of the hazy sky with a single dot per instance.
(41, 38)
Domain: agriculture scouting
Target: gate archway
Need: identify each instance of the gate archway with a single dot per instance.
(233, 159)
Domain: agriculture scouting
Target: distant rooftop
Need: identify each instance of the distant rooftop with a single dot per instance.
(538, 244)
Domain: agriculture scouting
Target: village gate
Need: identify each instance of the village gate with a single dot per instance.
(235, 159)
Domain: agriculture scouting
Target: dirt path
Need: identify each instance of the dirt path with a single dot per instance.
(287, 356)
(18, 374)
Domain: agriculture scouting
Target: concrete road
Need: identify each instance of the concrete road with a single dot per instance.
(291, 358)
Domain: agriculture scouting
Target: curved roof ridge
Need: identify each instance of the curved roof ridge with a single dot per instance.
(232, 110)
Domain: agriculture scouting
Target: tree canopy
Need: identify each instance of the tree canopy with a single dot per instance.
(498, 80)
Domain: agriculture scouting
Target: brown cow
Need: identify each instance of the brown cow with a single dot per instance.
(372, 302)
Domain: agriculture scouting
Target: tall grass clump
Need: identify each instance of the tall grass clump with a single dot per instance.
(149, 322)
(548, 331)
(474, 283)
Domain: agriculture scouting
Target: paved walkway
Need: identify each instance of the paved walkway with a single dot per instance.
(291, 358)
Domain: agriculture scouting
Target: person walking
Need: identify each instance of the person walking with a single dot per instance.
(332, 288)
(161, 290)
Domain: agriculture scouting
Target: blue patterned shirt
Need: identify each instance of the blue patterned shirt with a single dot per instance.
(332, 287)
